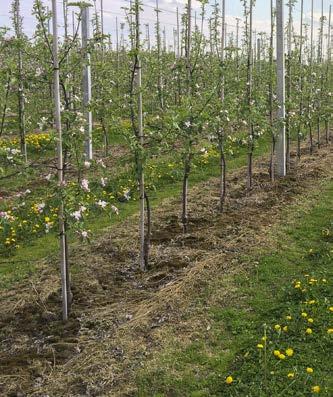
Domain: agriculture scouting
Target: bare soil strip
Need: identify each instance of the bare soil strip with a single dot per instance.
(120, 316)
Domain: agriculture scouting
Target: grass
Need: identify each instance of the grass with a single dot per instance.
(23, 261)
(265, 295)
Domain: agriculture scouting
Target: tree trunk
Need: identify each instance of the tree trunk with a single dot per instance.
(223, 172)
(185, 195)
(249, 82)
(21, 101)
(61, 213)
(148, 233)
(141, 180)
(3, 117)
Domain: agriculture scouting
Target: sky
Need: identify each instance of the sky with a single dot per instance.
(113, 9)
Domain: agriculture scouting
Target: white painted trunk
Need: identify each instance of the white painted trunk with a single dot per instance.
(85, 25)
(280, 63)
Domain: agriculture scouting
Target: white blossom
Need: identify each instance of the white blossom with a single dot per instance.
(115, 209)
(77, 215)
(40, 207)
(102, 203)
(85, 185)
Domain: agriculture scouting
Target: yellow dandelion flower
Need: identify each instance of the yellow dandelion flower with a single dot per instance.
(276, 353)
(289, 352)
(285, 328)
(310, 320)
(330, 331)
(277, 327)
(309, 370)
(331, 309)
(304, 314)
(308, 331)
(291, 375)
(288, 318)
(229, 380)
(315, 389)
(260, 346)
(282, 356)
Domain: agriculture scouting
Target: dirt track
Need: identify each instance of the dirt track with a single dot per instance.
(119, 314)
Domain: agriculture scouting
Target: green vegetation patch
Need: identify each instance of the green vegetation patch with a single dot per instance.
(274, 338)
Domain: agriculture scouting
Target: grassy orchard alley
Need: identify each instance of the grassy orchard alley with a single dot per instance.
(274, 334)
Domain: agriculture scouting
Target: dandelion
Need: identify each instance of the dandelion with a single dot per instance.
(331, 309)
(289, 352)
(277, 327)
(308, 331)
(288, 318)
(229, 380)
(315, 389)
(260, 346)
(309, 370)
(291, 375)
(282, 356)
(330, 331)
(310, 320)
(285, 328)
(304, 314)
(276, 353)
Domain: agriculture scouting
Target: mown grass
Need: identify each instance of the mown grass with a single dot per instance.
(22, 262)
(264, 296)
